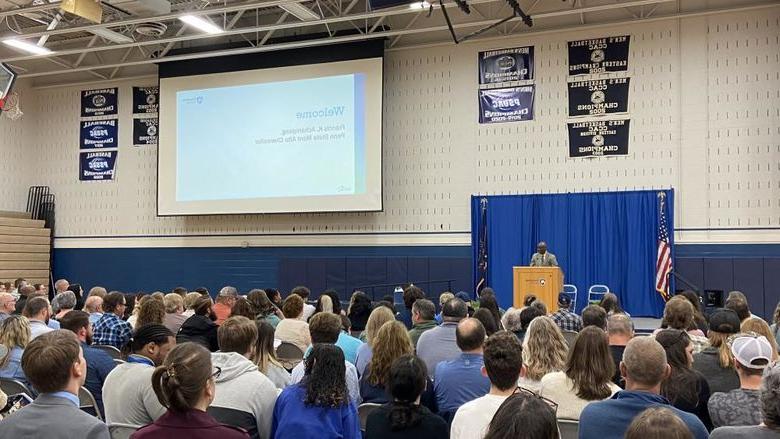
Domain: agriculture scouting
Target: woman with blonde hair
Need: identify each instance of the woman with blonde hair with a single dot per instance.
(760, 327)
(378, 317)
(586, 377)
(14, 337)
(715, 362)
(265, 356)
(544, 351)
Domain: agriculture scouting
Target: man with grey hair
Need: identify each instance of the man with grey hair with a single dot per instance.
(7, 305)
(423, 319)
(63, 303)
(512, 322)
(97, 291)
(61, 286)
(770, 412)
(94, 306)
(644, 368)
(620, 330)
(225, 301)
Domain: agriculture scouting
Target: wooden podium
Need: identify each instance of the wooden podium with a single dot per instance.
(543, 282)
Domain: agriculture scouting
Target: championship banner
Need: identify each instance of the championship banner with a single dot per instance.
(146, 100)
(504, 65)
(603, 96)
(98, 134)
(598, 55)
(513, 104)
(97, 165)
(598, 138)
(101, 102)
(145, 131)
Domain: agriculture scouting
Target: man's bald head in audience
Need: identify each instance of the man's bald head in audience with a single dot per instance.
(644, 364)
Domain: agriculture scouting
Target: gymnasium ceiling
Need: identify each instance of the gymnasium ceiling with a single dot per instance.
(136, 34)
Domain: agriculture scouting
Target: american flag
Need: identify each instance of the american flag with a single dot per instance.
(663, 264)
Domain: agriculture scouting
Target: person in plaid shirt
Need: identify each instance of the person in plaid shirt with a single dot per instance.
(111, 329)
(565, 319)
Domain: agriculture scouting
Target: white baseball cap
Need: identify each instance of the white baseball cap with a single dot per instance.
(748, 350)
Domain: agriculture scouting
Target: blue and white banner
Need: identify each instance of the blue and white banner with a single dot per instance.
(145, 131)
(504, 65)
(98, 134)
(146, 100)
(599, 55)
(101, 102)
(514, 104)
(603, 96)
(598, 138)
(97, 165)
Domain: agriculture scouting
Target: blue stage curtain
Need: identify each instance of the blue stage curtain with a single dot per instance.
(608, 238)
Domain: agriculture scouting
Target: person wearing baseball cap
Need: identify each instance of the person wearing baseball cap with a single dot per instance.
(752, 354)
(565, 319)
(715, 362)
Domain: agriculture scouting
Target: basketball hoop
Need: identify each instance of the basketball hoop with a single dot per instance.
(9, 105)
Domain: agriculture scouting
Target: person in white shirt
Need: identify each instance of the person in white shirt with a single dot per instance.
(503, 356)
(308, 309)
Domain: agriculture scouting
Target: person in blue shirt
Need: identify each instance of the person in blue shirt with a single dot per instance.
(644, 368)
(99, 363)
(111, 329)
(14, 337)
(348, 343)
(411, 294)
(319, 406)
(459, 381)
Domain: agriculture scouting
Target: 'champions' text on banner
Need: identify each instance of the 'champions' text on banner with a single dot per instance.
(602, 96)
(505, 65)
(98, 165)
(101, 102)
(599, 55)
(98, 134)
(145, 131)
(146, 100)
(514, 104)
(598, 138)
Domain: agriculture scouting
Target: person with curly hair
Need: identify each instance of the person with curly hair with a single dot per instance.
(359, 310)
(544, 351)
(319, 406)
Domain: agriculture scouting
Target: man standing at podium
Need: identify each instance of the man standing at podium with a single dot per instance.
(543, 258)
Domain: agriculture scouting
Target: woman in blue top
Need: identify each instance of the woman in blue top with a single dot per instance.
(14, 336)
(319, 406)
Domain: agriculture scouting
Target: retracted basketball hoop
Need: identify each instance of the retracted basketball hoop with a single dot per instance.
(9, 101)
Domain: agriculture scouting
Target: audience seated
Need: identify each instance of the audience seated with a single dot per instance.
(99, 363)
(225, 300)
(644, 368)
(66, 301)
(190, 300)
(358, 311)
(392, 342)
(594, 315)
(460, 380)
(742, 406)
(565, 319)
(379, 316)
(756, 325)
(423, 319)
(527, 315)
(184, 384)
(60, 286)
(243, 308)
(503, 365)
(685, 388)
(443, 298)
(737, 302)
(325, 328)
(265, 356)
(403, 417)
(38, 312)
(411, 294)
(524, 415)
(698, 315)
(349, 344)
(319, 404)
(770, 412)
(264, 309)
(512, 322)
(128, 396)
(715, 362)
(97, 291)
(488, 321)
(304, 293)
(587, 375)
(775, 327)
(244, 397)
(335, 301)
(14, 338)
(487, 301)
(544, 351)
(56, 367)
(658, 423)
(678, 314)
(152, 312)
(611, 304)
(174, 312)
(94, 306)
(200, 328)
(25, 291)
(620, 330)
(7, 305)
(111, 329)
(292, 329)
(439, 344)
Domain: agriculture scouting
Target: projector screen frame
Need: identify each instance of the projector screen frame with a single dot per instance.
(351, 52)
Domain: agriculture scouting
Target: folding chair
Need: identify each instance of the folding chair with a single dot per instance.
(364, 410)
(569, 336)
(118, 361)
(569, 429)
(88, 403)
(596, 293)
(122, 431)
(12, 387)
(289, 355)
(571, 291)
(110, 350)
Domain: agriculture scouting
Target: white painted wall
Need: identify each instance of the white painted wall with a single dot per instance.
(16, 174)
(705, 119)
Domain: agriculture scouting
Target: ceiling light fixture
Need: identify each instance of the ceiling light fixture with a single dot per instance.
(201, 24)
(113, 36)
(27, 46)
(420, 5)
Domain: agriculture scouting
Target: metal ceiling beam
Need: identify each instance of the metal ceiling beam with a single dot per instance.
(39, 8)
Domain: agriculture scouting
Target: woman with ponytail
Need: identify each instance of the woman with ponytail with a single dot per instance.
(404, 417)
(184, 384)
(319, 406)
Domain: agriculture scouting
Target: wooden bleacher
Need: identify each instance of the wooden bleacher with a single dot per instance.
(25, 246)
